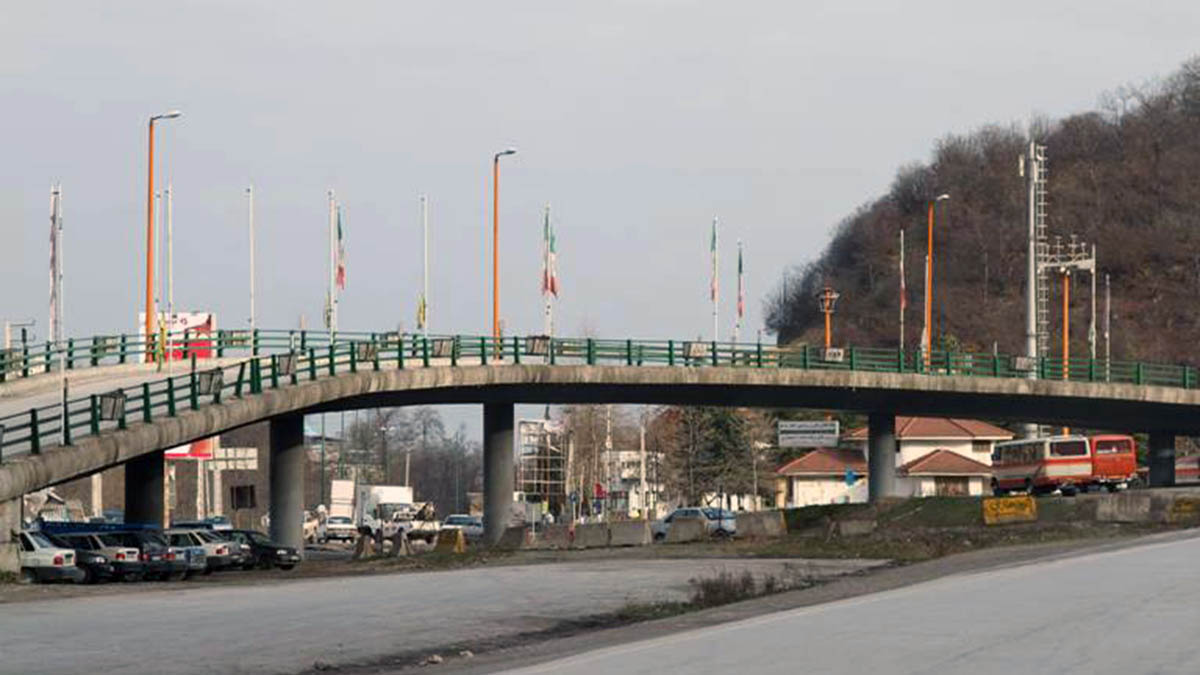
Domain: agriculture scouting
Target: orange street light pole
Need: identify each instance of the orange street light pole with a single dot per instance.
(496, 242)
(1066, 332)
(150, 231)
(828, 298)
(929, 281)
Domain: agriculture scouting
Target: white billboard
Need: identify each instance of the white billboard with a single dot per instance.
(808, 434)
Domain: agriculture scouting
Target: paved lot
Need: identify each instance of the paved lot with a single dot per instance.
(1135, 610)
(286, 627)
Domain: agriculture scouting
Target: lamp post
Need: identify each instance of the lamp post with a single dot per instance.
(496, 242)
(171, 114)
(929, 281)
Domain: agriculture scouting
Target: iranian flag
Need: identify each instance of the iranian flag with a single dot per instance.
(741, 301)
(341, 253)
(550, 260)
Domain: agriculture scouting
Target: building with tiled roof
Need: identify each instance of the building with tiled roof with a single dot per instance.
(935, 456)
(919, 436)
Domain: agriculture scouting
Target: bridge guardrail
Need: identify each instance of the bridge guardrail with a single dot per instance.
(274, 359)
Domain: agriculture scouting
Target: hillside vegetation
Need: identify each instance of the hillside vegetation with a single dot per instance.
(1125, 177)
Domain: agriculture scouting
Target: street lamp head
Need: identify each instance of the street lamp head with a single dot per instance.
(508, 151)
(169, 115)
(942, 196)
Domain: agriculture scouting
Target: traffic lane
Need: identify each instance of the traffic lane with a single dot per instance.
(1131, 610)
(285, 627)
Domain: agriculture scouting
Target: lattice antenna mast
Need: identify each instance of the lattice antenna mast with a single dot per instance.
(1039, 174)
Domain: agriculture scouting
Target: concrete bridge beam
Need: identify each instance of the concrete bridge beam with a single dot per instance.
(881, 456)
(1162, 459)
(497, 469)
(287, 481)
(144, 489)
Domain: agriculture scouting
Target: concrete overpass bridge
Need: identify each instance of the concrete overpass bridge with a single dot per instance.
(281, 376)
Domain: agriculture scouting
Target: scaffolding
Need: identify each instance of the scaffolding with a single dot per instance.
(542, 463)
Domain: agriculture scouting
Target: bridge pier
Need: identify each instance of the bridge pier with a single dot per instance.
(287, 481)
(10, 525)
(1162, 459)
(881, 456)
(144, 488)
(497, 469)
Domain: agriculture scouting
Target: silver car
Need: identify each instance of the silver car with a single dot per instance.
(717, 522)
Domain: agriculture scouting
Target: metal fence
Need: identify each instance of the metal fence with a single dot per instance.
(271, 359)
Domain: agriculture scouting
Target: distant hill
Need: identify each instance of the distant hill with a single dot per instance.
(1125, 177)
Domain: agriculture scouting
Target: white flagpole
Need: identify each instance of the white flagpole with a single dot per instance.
(903, 290)
(332, 308)
(547, 279)
(250, 226)
(170, 279)
(716, 280)
(425, 281)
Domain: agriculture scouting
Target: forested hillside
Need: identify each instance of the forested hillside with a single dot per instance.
(1125, 177)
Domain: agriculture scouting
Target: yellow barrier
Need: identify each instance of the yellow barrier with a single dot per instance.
(450, 541)
(1184, 510)
(1000, 510)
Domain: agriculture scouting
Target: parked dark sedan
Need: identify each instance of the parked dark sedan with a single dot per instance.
(265, 553)
(96, 566)
(161, 560)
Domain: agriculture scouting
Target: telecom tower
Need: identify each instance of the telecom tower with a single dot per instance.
(1037, 311)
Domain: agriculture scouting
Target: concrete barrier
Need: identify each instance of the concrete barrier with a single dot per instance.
(591, 535)
(514, 537)
(552, 537)
(686, 529)
(629, 533)
(761, 524)
(1184, 510)
(1124, 508)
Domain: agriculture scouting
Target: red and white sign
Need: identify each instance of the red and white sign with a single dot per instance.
(190, 333)
(204, 448)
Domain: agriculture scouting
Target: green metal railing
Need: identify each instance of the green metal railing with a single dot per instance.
(276, 359)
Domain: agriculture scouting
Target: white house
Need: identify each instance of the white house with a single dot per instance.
(919, 436)
(935, 456)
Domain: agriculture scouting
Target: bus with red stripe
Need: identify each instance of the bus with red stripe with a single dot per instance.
(1064, 463)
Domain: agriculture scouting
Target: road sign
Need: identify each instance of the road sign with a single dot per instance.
(851, 477)
(574, 498)
(808, 434)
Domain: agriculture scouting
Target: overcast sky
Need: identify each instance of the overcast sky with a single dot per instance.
(638, 121)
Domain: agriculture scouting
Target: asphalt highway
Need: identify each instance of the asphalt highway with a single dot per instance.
(1134, 610)
(286, 627)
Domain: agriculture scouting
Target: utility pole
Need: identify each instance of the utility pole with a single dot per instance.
(642, 451)
(170, 279)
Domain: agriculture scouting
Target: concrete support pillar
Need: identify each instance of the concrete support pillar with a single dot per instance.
(1162, 459)
(145, 489)
(287, 481)
(881, 457)
(10, 525)
(497, 469)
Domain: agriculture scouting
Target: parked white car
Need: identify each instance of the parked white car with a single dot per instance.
(337, 527)
(718, 522)
(471, 526)
(126, 561)
(41, 560)
(217, 554)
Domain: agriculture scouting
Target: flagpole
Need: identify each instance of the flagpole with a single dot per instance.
(250, 224)
(903, 291)
(716, 280)
(170, 277)
(546, 272)
(737, 324)
(425, 282)
(331, 323)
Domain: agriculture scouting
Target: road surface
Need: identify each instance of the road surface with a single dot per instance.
(1134, 610)
(286, 627)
